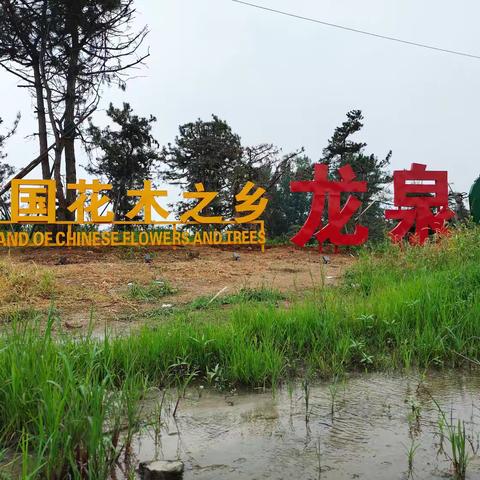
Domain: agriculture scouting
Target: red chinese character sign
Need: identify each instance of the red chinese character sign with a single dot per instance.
(426, 203)
(338, 215)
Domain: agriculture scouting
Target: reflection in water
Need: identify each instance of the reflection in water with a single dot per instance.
(376, 420)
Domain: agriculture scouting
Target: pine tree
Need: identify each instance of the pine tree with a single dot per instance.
(204, 152)
(6, 170)
(127, 157)
(342, 150)
(287, 211)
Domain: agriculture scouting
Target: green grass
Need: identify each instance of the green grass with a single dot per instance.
(58, 398)
(63, 400)
(244, 295)
(153, 291)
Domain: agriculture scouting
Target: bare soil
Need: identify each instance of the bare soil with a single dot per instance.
(86, 281)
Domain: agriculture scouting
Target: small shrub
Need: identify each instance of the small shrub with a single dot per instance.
(245, 295)
(152, 291)
(46, 284)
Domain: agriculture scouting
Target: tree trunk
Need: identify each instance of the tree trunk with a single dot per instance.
(42, 123)
(62, 203)
(73, 16)
(70, 171)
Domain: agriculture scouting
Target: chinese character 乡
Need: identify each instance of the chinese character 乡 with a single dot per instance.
(419, 204)
(338, 215)
(251, 203)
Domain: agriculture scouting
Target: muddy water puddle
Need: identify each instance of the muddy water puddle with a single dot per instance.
(376, 421)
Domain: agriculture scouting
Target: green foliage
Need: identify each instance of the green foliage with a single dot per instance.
(212, 154)
(128, 155)
(6, 171)
(474, 200)
(62, 400)
(287, 211)
(245, 294)
(397, 308)
(65, 51)
(204, 152)
(458, 439)
(152, 291)
(62, 408)
(342, 150)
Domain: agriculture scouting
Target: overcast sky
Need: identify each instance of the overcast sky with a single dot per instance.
(290, 82)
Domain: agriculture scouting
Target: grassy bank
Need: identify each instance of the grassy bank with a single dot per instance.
(397, 308)
(64, 402)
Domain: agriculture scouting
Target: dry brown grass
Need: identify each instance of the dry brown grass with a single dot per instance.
(26, 281)
(84, 284)
(25, 289)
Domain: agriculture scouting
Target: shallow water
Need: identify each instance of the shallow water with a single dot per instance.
(376, 420)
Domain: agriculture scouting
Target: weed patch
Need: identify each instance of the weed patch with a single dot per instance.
(245, 295)
(153, 291)
(25, 281)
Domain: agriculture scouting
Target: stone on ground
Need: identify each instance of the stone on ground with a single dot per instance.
(162, 470)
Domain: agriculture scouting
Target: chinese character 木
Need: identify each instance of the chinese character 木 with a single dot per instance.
(147, 202)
